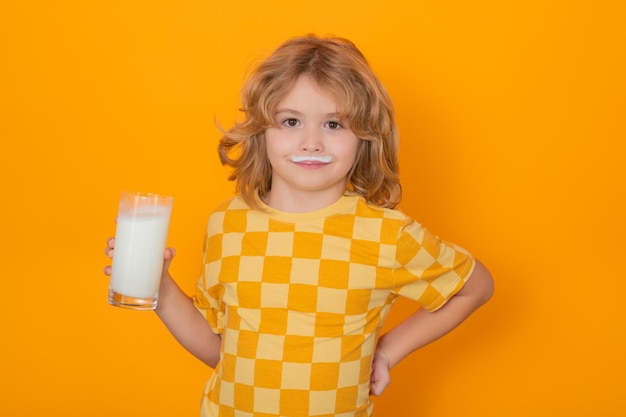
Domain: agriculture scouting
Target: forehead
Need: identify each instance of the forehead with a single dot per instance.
(308, 93)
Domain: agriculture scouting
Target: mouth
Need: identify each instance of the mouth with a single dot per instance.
(311, 159)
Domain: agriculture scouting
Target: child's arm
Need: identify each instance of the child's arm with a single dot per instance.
(180, 316)
(423, 327)
(177, 311)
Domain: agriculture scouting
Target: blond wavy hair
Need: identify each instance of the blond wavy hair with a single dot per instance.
(338, 67)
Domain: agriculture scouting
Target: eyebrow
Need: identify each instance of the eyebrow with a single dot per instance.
(296, 112)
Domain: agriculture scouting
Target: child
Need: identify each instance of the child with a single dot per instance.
(303, 265)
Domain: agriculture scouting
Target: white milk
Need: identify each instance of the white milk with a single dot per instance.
(138, 257)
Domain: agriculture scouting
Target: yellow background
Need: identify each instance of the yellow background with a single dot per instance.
(512, 117)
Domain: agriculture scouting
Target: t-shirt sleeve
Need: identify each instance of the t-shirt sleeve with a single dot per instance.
(209, 293)
(429, 270)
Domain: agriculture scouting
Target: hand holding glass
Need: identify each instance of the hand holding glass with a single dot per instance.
(142, 225)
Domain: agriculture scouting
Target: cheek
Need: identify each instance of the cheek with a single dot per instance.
(274, 143)
(351, 148)
(357, 151)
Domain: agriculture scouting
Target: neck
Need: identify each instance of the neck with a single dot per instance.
(304, 202)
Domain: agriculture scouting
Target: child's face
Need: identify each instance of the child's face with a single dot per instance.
(311, 151)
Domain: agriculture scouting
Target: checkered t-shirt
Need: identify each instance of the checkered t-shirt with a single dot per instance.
(299, 299)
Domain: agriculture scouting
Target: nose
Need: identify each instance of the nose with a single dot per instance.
(311, 140)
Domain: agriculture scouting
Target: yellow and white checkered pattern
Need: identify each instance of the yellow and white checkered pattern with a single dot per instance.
(300, 298)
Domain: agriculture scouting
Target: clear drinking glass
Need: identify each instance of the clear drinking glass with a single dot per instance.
(142, 225)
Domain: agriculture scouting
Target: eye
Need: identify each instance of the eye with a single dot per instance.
(290, 122)
(334, 125)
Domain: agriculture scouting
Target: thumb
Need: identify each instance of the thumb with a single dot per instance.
(168, 255)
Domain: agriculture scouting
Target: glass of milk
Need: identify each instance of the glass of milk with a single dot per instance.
(142, 225)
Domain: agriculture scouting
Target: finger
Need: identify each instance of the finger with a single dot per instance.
(107, 270)
(169, 253)
(108, 251)
(376, 389)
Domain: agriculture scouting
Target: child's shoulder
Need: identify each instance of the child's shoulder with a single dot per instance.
(232, 203)
(367, 209)
(231, 212)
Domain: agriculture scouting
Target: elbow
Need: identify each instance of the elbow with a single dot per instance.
(483, 284)
(488, 291)
(209, 359)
